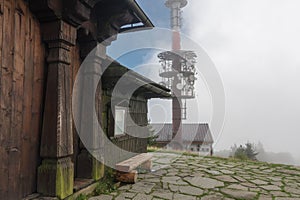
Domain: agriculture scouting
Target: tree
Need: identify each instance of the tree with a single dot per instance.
(250, 152)
(245, 152)
(151, 140)
(240, 153)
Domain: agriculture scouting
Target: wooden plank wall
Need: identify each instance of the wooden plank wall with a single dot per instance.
(21, 97)
(138, 112)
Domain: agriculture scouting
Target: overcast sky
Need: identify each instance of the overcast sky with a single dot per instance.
(255, 46)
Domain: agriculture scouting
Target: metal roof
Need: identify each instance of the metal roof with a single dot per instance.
(190, 132)
(148, 88)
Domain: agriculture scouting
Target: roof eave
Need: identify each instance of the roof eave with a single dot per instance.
(140, 16)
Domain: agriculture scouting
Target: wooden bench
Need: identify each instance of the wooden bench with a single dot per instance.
(126, 172)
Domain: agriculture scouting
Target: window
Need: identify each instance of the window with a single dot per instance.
(120, 115)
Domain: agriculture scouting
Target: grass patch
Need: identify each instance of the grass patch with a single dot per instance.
(82, 197)
(107, 184)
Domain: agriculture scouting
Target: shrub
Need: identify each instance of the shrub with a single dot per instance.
(246, 152)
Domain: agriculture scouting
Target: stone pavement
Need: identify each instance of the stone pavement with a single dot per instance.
(208, 178)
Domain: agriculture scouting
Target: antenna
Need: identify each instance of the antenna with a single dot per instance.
(178, 71)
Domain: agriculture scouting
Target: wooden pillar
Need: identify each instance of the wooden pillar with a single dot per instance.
(90, 166)
(56, 173)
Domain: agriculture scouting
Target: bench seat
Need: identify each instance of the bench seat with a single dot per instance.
(126, 172)
(134, 162)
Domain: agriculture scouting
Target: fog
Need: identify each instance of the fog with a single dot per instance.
(254, 45)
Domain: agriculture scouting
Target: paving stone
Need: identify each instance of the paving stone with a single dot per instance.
(128, 194)
(102, 197)
(160, 172)
(226, 178)
(190, 190)
(279, 194)
(240, 194)
(171, 179)
(142, 197)
(265, 197)
(240, 179)
(142, 187)
(225, 171)
(237, 187)
(165, 186)
(212, 197)
(204, 183)
(291, 172)
(258, 190)
(271, 187)
(249, 185)
(154, 180)
(212, 172)
(174, 188)
(273, 178)
(125, 187)
(163, 194)
(259, 182)
(183, 197)
(292, 190)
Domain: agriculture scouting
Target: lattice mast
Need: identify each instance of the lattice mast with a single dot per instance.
(178, 70)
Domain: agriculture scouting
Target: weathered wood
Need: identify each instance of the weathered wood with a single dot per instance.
(19, 143)
(134, 162)
(17, 102)
(6, 91)
(3, 135)
(37, 98)
(57, 137)
(33, 93)
(127, 177)
(27, 109)
(75, 63)
(27, 102)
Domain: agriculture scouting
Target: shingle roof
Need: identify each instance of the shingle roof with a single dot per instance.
(190, 132)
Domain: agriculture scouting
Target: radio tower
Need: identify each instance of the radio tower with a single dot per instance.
(178, 73)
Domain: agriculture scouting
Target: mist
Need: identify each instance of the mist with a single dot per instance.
(254, 45)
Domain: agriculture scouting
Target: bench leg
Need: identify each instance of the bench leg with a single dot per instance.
(127, 177)
(147, 165)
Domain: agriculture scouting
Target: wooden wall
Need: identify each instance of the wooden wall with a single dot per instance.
(21, 97)
(138, 113)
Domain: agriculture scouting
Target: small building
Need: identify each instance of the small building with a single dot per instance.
(123, 121)
(195, 137)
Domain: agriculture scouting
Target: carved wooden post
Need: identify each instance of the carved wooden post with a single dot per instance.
(56, 173)
(89, 166)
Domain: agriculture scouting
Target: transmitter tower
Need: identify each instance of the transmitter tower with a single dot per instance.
(178, 72)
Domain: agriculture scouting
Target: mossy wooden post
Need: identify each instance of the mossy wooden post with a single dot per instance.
(98, 169)
(56, 173)
(89, 163)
